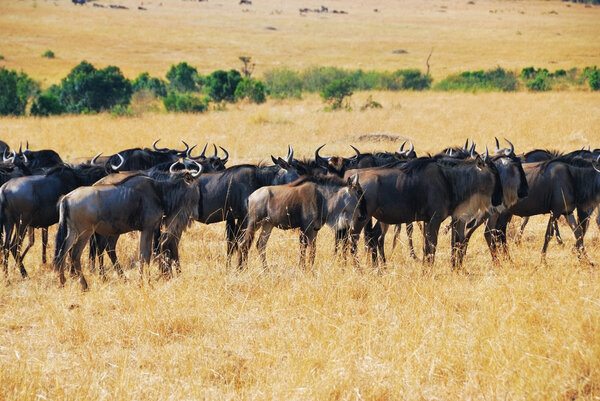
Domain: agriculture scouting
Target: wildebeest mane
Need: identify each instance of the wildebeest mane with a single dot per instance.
(418, 164)
(327, 180)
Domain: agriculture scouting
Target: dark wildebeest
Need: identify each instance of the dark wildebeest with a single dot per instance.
(31, 202)
(544, 155)
(308, 203)
(37, 160)
(514, 187)
(430, 189)
(558, 187)
(137, 204)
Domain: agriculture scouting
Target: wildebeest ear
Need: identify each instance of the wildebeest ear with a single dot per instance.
(282, 163)
(479, 161)
(188, 178)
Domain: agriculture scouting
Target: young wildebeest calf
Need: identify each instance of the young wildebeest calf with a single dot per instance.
(307, 203)
(137, 204)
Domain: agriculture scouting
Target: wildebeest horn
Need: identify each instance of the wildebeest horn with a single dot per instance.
(466, 147)
(226, 155)
(26, 145)
(20, 146)
(204, 150)
(120, 164)
(159, 149)
(472, 150)
(25, 160)
(450, 152)
(199, 169)
(290, 155)
(401, 150)
(319, 158)
(187, 147)
(214, 154)
(595, 164)
(11, 159)
(412, 149)
(498, 144)
(486, 154)
(512, 147)
(355, 180)
(357, 151)
(187, 152)
(93, 162)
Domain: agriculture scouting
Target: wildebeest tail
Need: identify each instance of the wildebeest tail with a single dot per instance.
(2, 217)
(61, 235)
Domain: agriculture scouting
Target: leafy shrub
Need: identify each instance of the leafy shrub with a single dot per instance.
(15, 91)
(183, 77)
(414, 80)
(184, 103)
(1, 57)
(491, 80)
(120, 110)
(47, 104)
(541, 82)
(222, 85)
(145, 82)
(48, 54)
(251, 89)
(592, 74)
(336, 92)
(86, 89)
(283, 83)
(315, 78)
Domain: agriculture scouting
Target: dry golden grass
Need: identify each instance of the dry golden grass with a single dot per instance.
(515, 331)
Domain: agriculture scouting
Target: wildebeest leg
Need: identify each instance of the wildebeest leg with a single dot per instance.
(44, 244)
(397, 230)
(583, 219)
(556, 232)
(312, 247)
(76, 252)
(455, 226)
(371, 241)
(381, 240)
(261, 243)
(548, 235)
(111, 251)
(145, 251)
(303, 245)
(578, 232)
(230, 232)
(245, 244)
(430, 234)
(519, 235)
(409, 234)
(16, 248)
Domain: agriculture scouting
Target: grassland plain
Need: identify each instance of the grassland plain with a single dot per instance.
(520, 330)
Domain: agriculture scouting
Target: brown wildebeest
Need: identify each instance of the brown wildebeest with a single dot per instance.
(307, 203)
(136, 204)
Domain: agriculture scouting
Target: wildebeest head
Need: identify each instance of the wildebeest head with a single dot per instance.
(39, 159)
(348, 206)
(514, 182)
(209, 163)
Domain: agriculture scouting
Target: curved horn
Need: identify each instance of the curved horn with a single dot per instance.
(472, 152)
(466, 147)
(411, 150)
(512, 147)
(204, 150)
(189, 151)
(158, 149)
(25, 160)
(172, 167)
(595, 164)
(319, 158)
(450, 153)
(199, 169)
(14, 156)
(215, 147)
(4, 158)
(93, 162)
(498, 143)
(355, 180)
(187, 147)
(401, 150)
(486, 154)
(226, 155)
(290, 156)
(20, 146)
(357, 151)
(120, 164)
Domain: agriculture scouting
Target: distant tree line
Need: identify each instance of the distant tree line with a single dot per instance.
(89, 90)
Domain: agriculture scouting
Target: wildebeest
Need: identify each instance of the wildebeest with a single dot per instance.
(136, 204)
(225, 194)
(308, 203)
(430, 189)
(558, 187)
(514, 187)
(31, 202)
(37, 160)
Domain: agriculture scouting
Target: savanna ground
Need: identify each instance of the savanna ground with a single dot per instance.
(520, 330)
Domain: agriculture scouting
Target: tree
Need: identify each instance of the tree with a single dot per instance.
(47, 104)
(145, 82)
(183, 77)
(88, 89)
(336, 92)
(247, 68)
(15, 91)
(222, 85)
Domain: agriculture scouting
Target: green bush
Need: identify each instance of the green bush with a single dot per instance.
(540, 83)
(414, 80)
(497, 79)
(145, 82)
(283, 83)
(86, 89)
(592, 75)
(315, 78)
(184, 103)
(251, 89)
(222, 85)
(48, 54)
(336, 92)
(15, 91)
(47, 104)
(183, 77)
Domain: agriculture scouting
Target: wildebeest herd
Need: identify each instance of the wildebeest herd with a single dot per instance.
(159, 191)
